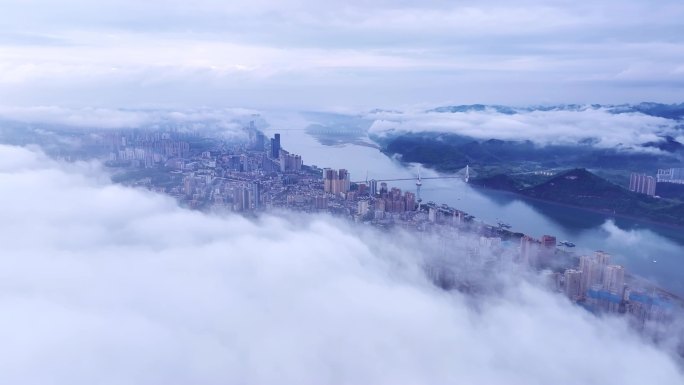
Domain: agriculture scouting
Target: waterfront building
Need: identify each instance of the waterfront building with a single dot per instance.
(528, 251)
(614, 279)
(590, 272)
(547, 249)
(593, 269)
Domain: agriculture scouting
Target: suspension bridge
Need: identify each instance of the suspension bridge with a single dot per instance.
(464, 174)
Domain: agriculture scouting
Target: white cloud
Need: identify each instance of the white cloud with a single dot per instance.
(619, 236)
(543, 127)
(229, 121)
(106, 284)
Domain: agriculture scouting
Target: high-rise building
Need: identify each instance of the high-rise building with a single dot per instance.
(373, 187)
(256, 195)
(590, 272)
(602, 258)
(593, 270)
(410, 199)
(547, 250)
(259, 141)
(642, 184)
(614, 279)
(344, 180)
(528, 250)
(275, 146)
(573, 280)
(552, 280)
(329, 180)
(336, 182)
(670, 175)
(289, 162)
(240, 199)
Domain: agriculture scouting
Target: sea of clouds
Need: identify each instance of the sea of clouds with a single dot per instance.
(598, 126)
(104, 284)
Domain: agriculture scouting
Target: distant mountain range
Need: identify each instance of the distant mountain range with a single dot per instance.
(668, 111)
(451, 152)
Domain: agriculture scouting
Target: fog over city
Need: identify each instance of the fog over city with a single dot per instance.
(155, 229)
(599, 127)
(118, 285)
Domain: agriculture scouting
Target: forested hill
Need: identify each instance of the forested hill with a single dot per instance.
(581, 188)
(451, 152)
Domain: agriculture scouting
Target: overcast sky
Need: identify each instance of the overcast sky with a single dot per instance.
(352, 53)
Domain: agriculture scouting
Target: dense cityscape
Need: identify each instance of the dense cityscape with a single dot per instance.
(258, 175)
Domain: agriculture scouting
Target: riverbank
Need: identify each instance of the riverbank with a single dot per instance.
(604, 212)
(583, 189)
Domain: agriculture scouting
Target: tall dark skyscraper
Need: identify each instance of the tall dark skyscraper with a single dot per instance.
(275, 146)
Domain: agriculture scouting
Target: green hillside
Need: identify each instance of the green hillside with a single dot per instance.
(581, 188)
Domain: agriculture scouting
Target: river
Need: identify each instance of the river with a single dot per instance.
(653, 251)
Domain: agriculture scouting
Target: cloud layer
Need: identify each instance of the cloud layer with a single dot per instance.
(567, 127)
(106, 284)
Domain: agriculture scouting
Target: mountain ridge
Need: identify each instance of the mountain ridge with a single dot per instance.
(672, 111)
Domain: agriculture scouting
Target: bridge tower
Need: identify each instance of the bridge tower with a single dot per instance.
(467, 173)
(419, 183)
